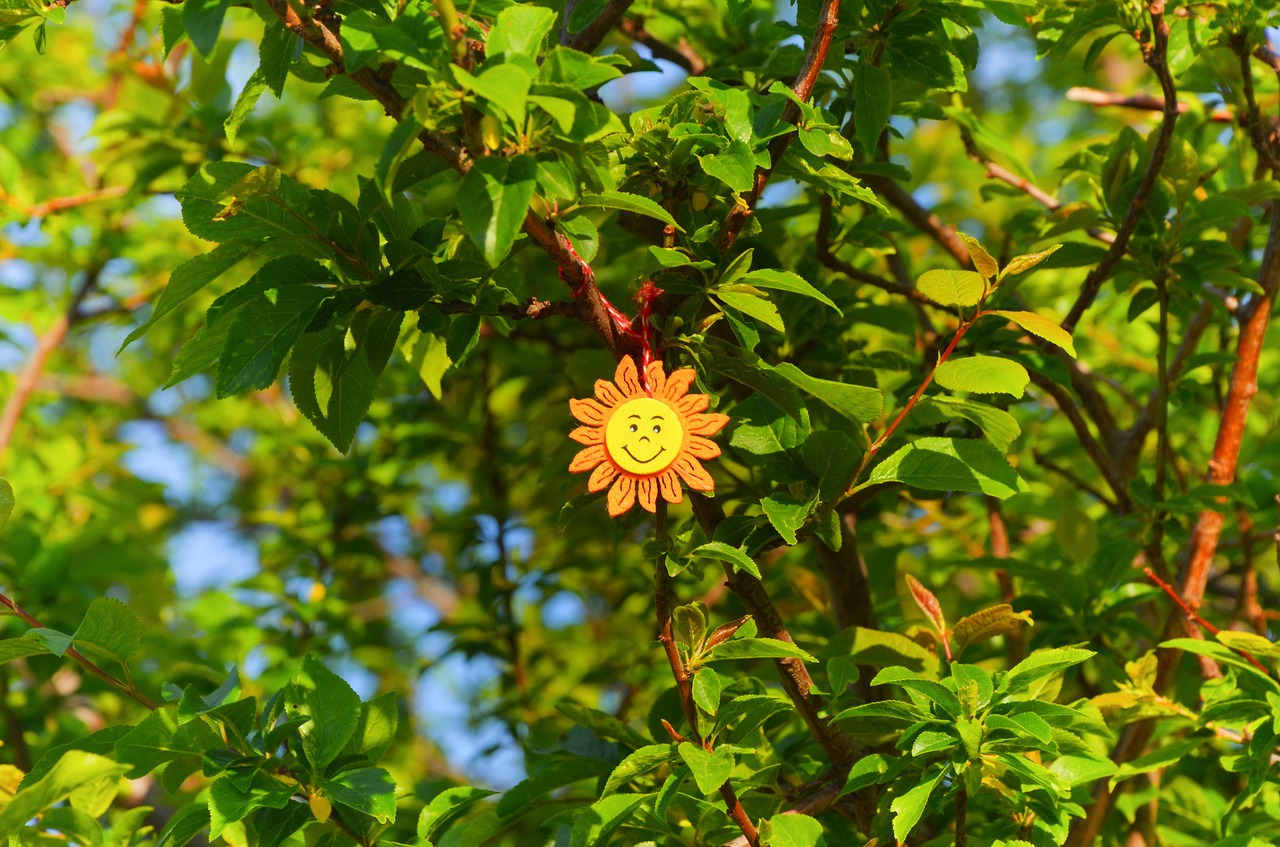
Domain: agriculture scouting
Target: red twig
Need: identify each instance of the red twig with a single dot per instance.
(1146, 102)
(1194, 616)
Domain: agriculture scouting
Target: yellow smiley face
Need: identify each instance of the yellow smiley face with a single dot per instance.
(644, 436)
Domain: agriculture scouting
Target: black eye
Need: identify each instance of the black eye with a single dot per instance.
(633, 427)
(657, 429)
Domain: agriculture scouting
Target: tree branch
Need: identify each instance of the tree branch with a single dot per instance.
(815, 57)
(1145, 102)
(1154, 54)
(590, 36)
(681, 53)
(921, 218)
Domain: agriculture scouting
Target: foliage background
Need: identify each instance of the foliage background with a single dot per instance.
(432, 562)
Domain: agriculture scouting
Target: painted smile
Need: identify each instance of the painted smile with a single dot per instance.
(635, 458)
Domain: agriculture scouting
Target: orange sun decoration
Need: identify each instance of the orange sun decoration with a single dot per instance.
(644, 442)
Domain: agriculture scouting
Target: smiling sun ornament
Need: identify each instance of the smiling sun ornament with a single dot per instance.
(644, 442)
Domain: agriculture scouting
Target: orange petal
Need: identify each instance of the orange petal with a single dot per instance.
(702, 448)
(657, 378)
(588, 411)
(628, 378)
(601, 477)
(694, 475)
(647, 494)
(691, 404)
(587, 459)
(708, 424)
(622, 496)
(678, 383)
(588, 435)
(608, 393)
(669, 485)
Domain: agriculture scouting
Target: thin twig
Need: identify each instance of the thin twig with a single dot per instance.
(590, 36)
(681, 53)
(1194, 617)
(1146, 102)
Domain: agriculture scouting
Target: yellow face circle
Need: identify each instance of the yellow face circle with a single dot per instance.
(643, 436)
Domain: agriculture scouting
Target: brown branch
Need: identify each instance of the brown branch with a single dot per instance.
(60, 204)
(589, 38)
(829, 259)
(1068, 407)
(1244, 384)
(1145, 102)
(846, 573)
(29, 377)
(1000, 172)
(684, 679)
(921, 218)
(815, 57)
(681, 53)
(842, 749)
(1154, 54)
(1071, 477)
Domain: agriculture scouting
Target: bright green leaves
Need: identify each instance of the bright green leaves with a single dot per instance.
(951, 464)
(203, 21)
(367, 790)
(922, 60)
(520, 30)
(721, 552)
(324, 697)
(493, 200)
(872, 104)
(625, 202)
(910, 806)
(333, 374)
(110, 628)
(983, 375)
(710, 770)
(861, 404)
(504, 85)
(74, 771)
(953, 288)
(445, 807)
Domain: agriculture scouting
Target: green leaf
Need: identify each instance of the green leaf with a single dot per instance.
(922, 60)
(56, 642)
(333, 707)
(756, 648)
(184, 825)
(1000, 427)
(707, 687)
(505, 85)
(269, 327)
(190, 277)
(376, 727)
(987, 623)
(1043, 327)
(6, 501)
(952, 288)
(594, 827)
(74, 770)
(565, 66)
(859, 403)
(908, 808)
(332, 385)
(638, 763)
(161, 738)
(493, 200)
(872, 104)
(519, 29)
(710, 770)
(766, 435)
(110, 627)
(275, 55)
(367, 790)
(787, 514)
(28, 644)
(832, 459)
(1081, 770)
(752, 306)
(721, 552)
(983, 375)
(879, 649)
(203, 22)
(629, 203)
(248, 98)
(780, 280)
(1040, 664)
(1018, 264)
(982, 260)
(231, 799)
(951, 464)
(866, 772)
(935, 691)
(735, 166)
(445, 807)
(791, 830)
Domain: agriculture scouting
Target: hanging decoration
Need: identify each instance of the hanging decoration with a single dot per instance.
(644, 432)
